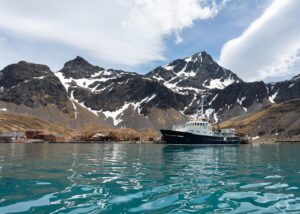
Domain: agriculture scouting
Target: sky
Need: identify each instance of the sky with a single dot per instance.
(257, 39)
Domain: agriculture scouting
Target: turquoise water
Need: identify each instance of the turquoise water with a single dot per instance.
(115, 178)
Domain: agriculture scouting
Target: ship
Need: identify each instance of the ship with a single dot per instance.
(199, 130)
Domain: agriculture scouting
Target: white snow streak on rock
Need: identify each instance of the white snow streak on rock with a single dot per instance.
(291, 85)
(217, 83)
(213, 99)
(74, 106)
(271, 98)
(116, 115)
(240, 101)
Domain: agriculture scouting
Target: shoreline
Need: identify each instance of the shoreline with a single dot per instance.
(254, 142)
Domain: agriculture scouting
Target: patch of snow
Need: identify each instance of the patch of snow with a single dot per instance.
(267, 89)
(103, 72)
(63, 80)
(82, 105)
(255, 138)
(179, 89)
(213, 99)
(217, 83)
(102, 89)
(158, 78)
(74, 106)
(116, 115)
(240, 101)
(291, 85)
(272, 85)
(271, 98)
(146, 78)
(188, 59)
(40, 78)
(1, 89)
(245, 109)
(84, 82)
(182, 71)
(137, 105)
(169, 67)
(191, 103)
(3, 109)
(88, 108)
(201, 59)
(173, 87)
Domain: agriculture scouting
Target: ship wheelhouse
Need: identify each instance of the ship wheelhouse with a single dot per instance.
(199, 126)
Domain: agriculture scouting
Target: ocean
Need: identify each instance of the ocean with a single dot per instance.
(149, 178)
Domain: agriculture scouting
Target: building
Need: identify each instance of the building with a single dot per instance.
(12, 137)
(33, 134)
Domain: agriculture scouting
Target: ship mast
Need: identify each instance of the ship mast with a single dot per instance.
(202, 101)
(202, 106)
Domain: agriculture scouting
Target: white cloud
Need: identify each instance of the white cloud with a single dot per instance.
(178, 39)
(124, 32)
(269, 47)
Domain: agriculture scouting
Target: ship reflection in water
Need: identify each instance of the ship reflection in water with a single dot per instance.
(116, 178)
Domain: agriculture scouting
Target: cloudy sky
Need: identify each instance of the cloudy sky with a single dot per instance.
(257, 39)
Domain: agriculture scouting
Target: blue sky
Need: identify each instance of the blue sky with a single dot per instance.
(211, 34)
(257, 39)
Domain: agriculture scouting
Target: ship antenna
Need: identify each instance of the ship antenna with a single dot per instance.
(202, 106)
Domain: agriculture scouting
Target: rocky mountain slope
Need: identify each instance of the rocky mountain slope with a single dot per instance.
(81, 94)
(280, 120)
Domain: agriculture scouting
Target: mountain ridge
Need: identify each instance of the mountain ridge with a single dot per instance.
(118, 98)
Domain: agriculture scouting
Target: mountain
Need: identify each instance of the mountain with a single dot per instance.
(244, 98)
(115, 94)
(194, 74)
(32, 85)
(280, 121)
(296, 77)
(81, 94)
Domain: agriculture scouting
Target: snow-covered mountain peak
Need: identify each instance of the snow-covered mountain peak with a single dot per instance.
(194, 73)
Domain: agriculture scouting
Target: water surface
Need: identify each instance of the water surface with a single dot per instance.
(116, 178)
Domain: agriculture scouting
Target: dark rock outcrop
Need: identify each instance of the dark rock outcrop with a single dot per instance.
(32, 85)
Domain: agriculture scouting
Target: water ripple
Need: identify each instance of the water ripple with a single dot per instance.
(116, 178)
